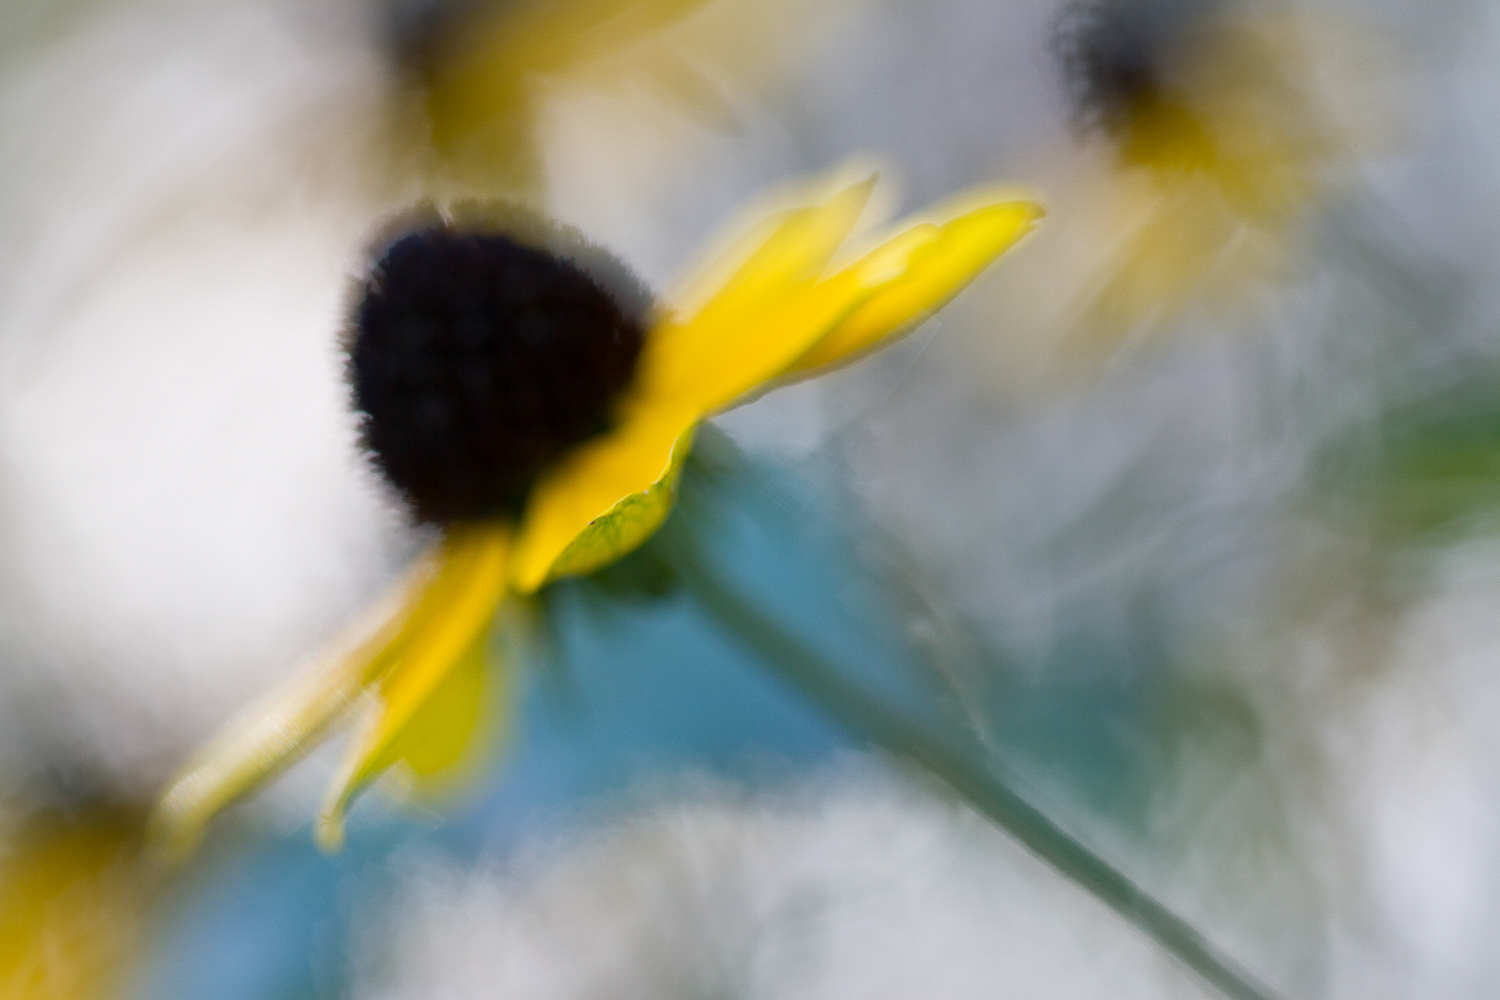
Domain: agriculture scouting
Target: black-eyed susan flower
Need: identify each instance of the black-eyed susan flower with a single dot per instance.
(524, 397)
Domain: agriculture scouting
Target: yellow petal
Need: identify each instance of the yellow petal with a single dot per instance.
(454, 734)
(940, 261)
(772, 342)
(735, 336)
(271, 734)
(445, 728)
(473, 582)
(603, 500)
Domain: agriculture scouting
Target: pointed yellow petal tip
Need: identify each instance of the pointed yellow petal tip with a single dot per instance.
(780, 234)
(276, 731)
(470, 587)
(915, 272)
(858, 193)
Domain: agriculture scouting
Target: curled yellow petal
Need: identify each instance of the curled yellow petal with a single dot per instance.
(938, 262)
(734, 333)
(603, 500)
(471, 581)
(274, 732)
(773, 341)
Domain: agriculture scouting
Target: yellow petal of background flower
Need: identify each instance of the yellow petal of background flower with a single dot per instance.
(477, 79)
(603, 500)
(75, 896)
(471, 583)
(275, 731)
(940, 261)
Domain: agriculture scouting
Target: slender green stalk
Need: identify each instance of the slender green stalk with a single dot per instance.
(869, 718)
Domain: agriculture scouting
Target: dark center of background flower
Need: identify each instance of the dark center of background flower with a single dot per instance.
(1117, 58)
(478, 359)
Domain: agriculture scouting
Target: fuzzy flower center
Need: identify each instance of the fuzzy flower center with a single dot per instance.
(477, 360)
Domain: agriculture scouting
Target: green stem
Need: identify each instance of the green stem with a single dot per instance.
(870, 719)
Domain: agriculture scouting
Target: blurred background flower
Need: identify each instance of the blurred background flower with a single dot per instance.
(1183, 522)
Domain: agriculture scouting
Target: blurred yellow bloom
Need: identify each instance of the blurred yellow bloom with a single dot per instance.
(1225, 130)
(480, 72)
(72, 887)
(477, 65)
(769, 309)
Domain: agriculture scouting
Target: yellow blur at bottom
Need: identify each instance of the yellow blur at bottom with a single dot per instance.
(73, 890)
